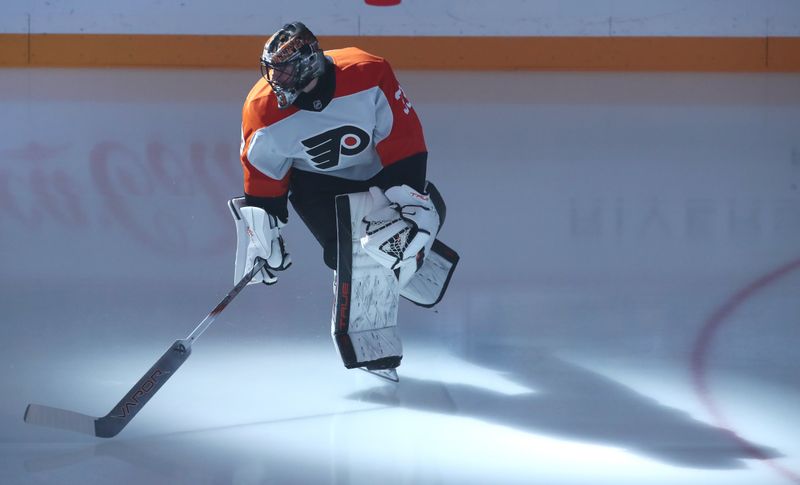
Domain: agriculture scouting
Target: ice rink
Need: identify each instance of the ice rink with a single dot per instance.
(626, 309)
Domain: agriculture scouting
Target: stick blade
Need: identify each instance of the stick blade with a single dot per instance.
(111, 424)
(60, 418)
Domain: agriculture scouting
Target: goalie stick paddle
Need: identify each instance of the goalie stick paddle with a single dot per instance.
(112, 423)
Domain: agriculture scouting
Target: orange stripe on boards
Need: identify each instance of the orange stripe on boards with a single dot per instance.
(574, 53)
(784, 53)
(736, 54)
(13, 49)
(75, 50)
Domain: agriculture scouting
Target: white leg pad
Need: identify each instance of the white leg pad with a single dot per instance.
(428, 285)
(366, 296)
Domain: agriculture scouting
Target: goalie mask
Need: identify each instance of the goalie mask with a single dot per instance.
(290, 61)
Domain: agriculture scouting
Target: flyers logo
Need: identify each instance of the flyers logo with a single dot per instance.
(326, 148)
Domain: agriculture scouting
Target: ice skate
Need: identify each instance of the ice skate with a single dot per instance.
(388, 374)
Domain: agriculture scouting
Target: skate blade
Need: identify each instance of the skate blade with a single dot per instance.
(388, 374)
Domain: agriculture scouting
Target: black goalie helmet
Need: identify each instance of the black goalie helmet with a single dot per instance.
(291, 59)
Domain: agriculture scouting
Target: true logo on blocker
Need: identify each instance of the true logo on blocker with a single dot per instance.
(326, 148)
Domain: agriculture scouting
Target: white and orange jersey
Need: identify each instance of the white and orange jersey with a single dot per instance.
(368, 124)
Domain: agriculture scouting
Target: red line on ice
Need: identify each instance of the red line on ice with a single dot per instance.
(703, 345)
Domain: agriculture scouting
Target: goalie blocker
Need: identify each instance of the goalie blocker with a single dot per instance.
(367, 289)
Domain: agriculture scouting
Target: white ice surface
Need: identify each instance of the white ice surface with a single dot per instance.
(610, 321)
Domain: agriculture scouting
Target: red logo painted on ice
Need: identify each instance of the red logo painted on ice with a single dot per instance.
(382, 3)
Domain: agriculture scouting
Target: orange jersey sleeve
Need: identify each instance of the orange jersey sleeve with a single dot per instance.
(405, 137)
(260, 111)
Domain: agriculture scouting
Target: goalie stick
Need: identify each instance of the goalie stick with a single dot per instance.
(112, 423)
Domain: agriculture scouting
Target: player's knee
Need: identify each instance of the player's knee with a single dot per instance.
(329, 254)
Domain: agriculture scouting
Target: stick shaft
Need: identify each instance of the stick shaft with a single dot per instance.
(209, 319)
